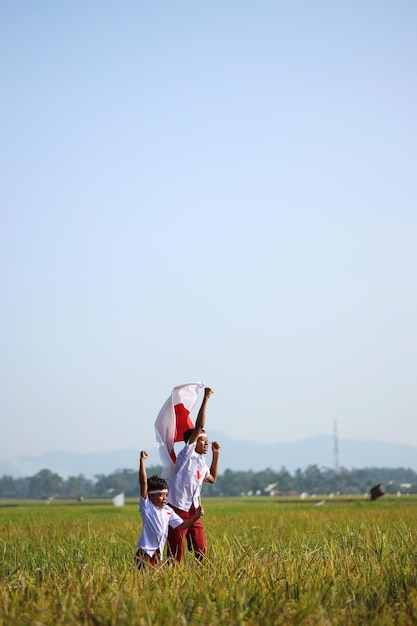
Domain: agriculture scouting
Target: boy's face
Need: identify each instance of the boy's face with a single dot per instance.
(202, 445)
(159, 499)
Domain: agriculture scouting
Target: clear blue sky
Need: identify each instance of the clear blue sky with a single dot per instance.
(215, 191)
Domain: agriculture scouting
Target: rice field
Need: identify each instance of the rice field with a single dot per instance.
(269, 562)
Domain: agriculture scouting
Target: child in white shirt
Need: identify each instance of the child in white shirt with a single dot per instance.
(191, 470)
(157, 516)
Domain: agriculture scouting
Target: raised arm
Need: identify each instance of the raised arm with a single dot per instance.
(201, 417)
(215, 448)
(143, 479)
(190, 521)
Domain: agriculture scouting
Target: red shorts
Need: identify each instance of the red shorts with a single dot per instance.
(196, 540)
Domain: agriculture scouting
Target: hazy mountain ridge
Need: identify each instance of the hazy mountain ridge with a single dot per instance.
(235, 455)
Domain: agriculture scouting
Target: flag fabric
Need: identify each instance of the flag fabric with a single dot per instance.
(172, 422)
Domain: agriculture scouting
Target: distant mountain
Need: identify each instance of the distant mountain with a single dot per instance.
(235, 455)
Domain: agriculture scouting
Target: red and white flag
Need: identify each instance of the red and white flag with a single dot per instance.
(172, 422)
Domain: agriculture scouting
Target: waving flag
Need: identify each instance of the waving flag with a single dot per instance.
(172, 422)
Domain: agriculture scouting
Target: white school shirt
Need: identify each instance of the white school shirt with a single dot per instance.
(155, 526)
(190, 471)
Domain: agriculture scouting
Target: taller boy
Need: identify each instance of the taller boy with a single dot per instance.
(191, 470)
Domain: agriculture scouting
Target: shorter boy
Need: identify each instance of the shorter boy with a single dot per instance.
(156, 517)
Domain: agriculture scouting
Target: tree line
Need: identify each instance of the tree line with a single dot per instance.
(313, 481)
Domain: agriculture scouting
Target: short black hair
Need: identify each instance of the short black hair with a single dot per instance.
(188, 432)
(156, 482)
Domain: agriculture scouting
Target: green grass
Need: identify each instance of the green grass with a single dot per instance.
(269, 562)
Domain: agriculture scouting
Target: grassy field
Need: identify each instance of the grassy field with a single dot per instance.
(269, 562)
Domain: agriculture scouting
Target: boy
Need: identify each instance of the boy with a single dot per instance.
(191, 470)
(156, 517)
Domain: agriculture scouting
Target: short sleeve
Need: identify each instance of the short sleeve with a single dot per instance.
(174, 519)
(143, 505)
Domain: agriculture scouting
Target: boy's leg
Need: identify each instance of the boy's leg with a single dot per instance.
(143, 559)
(176, 544)
(196, 539)
(176, 537)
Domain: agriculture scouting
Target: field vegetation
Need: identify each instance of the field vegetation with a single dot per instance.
(270, 561)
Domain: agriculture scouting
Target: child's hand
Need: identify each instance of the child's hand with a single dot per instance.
(143, 454)
(208, 392)
(200, 511)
